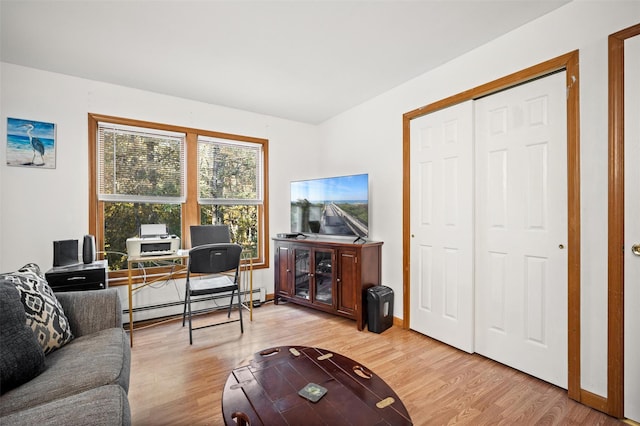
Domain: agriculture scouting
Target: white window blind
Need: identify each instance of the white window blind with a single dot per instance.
(140, 165)
(229, 172)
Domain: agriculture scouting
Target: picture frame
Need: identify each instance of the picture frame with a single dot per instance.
(31, 143)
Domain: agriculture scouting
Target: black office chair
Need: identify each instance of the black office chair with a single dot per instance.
(209, 234)
(213, 259)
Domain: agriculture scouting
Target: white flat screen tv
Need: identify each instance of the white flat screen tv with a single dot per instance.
(336, 206)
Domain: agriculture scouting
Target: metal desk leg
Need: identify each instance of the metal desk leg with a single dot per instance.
(130, 305)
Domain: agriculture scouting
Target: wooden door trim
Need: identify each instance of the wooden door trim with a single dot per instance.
(570, 63)
(615, 362)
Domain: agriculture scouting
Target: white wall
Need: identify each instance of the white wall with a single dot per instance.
(3, 132)
(39, 206)
(372, 133)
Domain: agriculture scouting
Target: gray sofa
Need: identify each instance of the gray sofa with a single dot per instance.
(86, 381)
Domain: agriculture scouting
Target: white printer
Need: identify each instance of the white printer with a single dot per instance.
(153, 241)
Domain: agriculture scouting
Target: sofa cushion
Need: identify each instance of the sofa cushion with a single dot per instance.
(82, 307)
(45, 315)
(105, 405)
(21, 357)
(87, 362)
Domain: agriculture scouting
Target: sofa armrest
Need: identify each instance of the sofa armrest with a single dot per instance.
(91, 311)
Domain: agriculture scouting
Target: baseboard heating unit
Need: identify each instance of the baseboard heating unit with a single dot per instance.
(201, 304)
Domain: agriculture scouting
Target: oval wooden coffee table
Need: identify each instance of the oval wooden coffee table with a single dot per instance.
(265, 392)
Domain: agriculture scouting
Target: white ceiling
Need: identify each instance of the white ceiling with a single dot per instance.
(300, 60)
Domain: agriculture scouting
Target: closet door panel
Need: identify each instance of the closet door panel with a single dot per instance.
(521, 228)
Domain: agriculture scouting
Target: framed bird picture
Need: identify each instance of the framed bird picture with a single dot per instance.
(31, 143)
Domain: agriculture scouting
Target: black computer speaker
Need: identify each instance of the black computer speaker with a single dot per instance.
(65, 252)
(89, 249)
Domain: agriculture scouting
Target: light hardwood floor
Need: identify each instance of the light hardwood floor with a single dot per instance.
(173, 383)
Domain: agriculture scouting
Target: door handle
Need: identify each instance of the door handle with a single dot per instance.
(635, 249)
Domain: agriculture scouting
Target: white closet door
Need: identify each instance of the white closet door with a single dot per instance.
(442, 225)
(632, 230)
(521, 228)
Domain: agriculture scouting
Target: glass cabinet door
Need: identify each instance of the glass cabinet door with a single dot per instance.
(302, 273)
(323, 276)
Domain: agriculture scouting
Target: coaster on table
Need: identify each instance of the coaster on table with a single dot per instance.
(312, 392)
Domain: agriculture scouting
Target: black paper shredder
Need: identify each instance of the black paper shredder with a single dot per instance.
(379, 308)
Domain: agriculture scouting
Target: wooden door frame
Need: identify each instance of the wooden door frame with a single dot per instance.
(569, 63)
(614, 403)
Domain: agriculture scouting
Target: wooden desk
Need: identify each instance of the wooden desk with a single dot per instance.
(265, 392)
(179, 267)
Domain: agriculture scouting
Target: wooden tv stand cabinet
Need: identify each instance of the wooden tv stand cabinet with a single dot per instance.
(331, 275)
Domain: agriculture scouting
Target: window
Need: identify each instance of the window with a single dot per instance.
(144, 172)
(141, 176)
(230, 187)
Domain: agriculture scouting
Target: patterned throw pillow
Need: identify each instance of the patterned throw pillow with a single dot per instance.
(44, 313)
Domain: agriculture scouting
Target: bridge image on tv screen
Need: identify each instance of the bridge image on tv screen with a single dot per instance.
(331, 206)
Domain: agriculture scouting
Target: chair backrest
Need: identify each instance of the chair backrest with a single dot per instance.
(215, 258)
(209, 234)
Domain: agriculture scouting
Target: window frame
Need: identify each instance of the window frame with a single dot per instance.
(190, 208)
